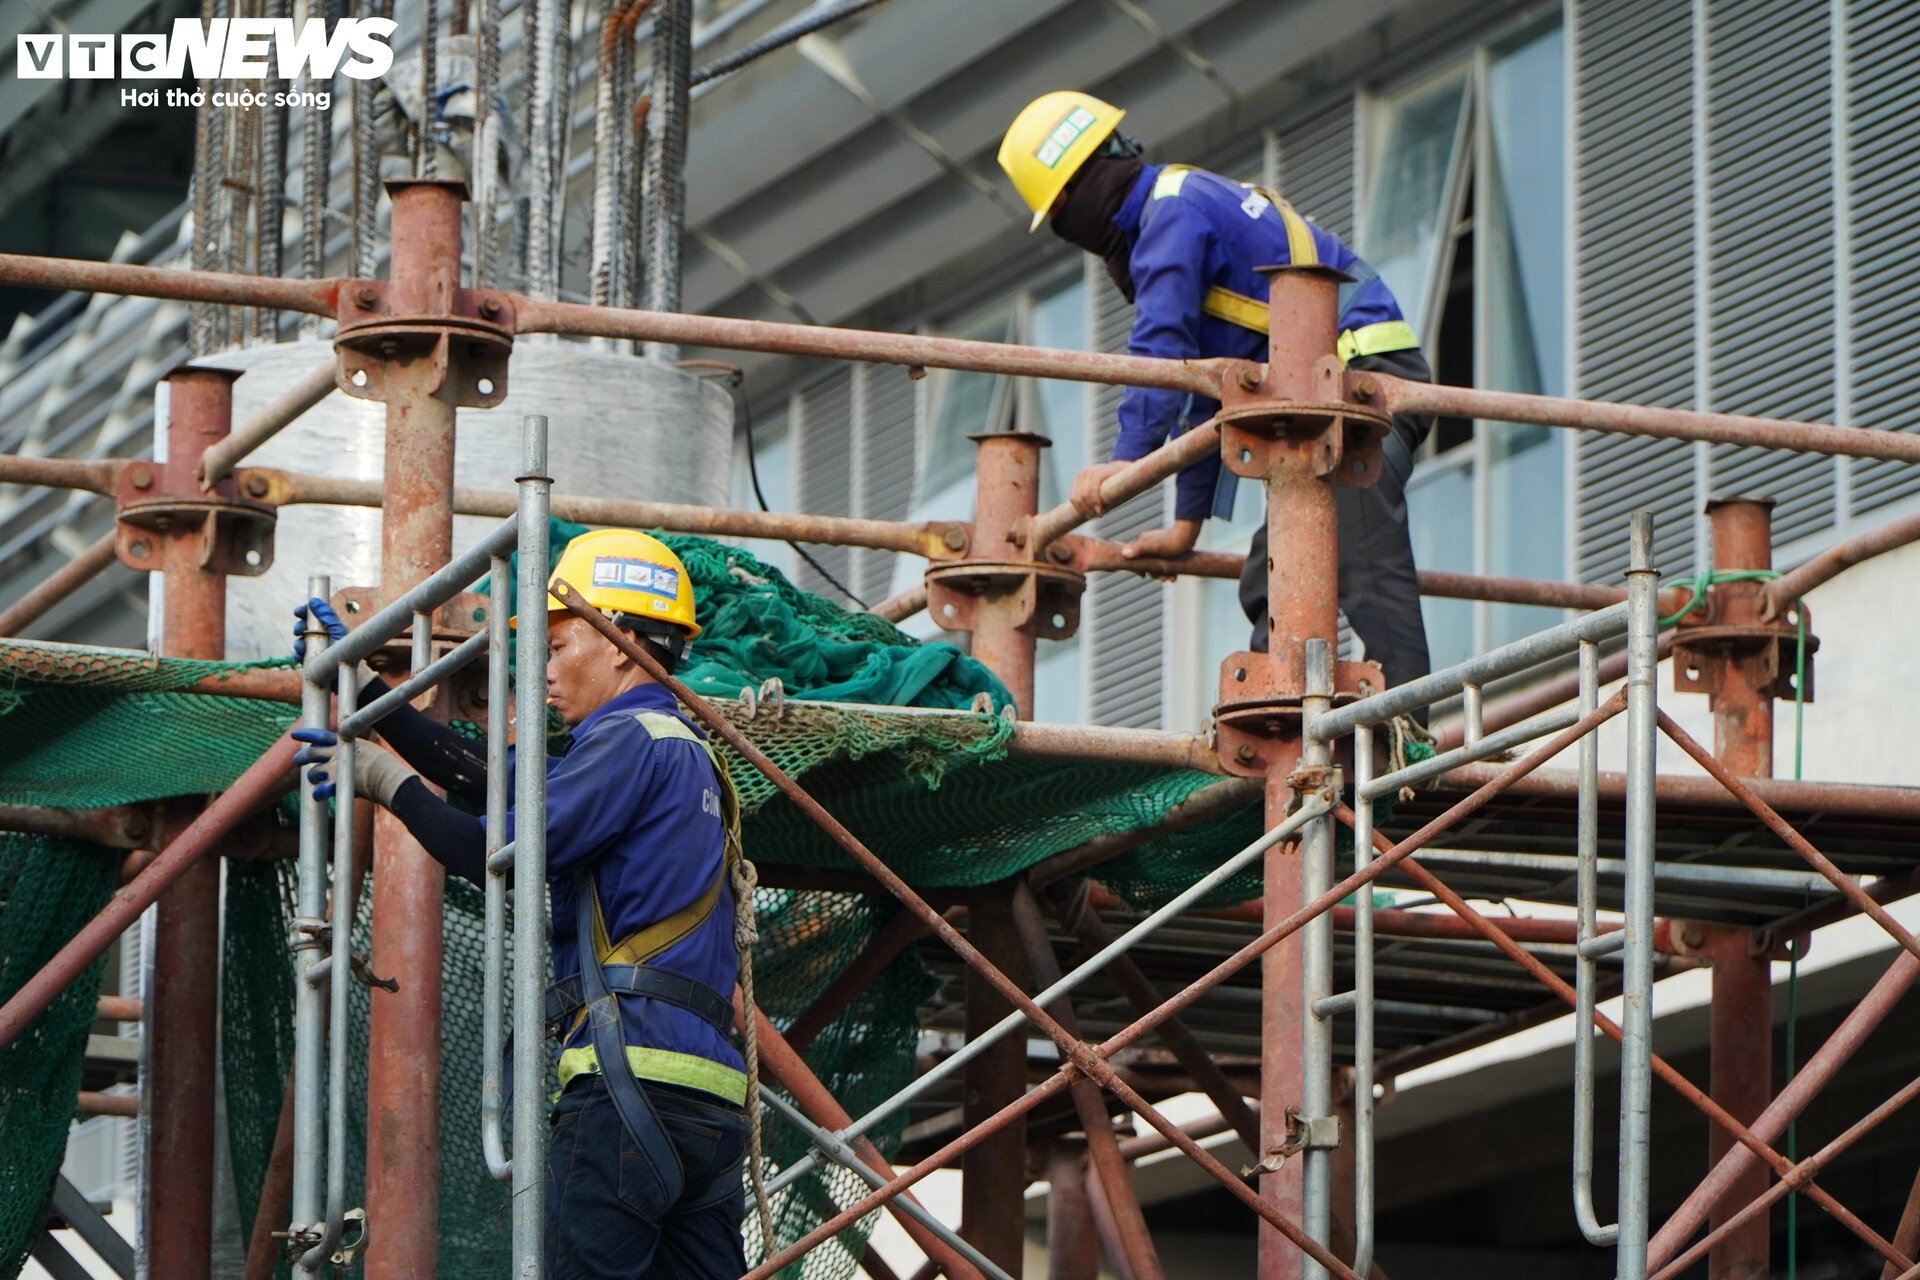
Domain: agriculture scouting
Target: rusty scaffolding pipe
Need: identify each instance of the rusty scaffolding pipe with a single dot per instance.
(1829, 564)
(57, 585)
(1398, 395)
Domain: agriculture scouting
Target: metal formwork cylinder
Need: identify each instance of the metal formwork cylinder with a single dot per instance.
(622, 428)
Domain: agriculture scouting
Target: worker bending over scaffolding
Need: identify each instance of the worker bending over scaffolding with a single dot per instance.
(1186, 246)
(650, 1132)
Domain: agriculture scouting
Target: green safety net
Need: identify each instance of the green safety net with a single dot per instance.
(48, 889)
(933, 791)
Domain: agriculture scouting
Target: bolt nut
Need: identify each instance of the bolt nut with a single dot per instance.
(955, 539)
(1244, 753)
(1694, 935)
(257, 486)
(489, 307)
(365, 297)
(138, 549)
(142, 478)
(1363, 395)
(1250, 378)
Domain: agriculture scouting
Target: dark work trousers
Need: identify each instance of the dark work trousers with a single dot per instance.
(1379, 591)
(603, 1221)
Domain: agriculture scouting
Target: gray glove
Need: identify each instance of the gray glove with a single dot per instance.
(378, 774)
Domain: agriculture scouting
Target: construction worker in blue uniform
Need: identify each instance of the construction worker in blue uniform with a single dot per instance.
(1184, 246)
(647, 1149)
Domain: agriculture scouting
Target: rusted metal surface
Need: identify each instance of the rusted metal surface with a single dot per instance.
(998, 592)
(58, 585)
(1741, 1080)
(314, 297)
(1141, 993)
(1753, 1213)
(1906, 1238)
(421, 386)
(1812, 1077)
(1087, 1061)
(1661, 1068)
(899, 933)
(261, 784)
(784, 1066)
(60, 473)
(1780, 827)
(1397, 395)
(1139, 476)
(274, 1209)
(929, 538)
(1203, 805)
(279, 413)
(1073, 1246)
(1839, 798)
(1829, 564)
(181, 1026)
(1545, 696)
(1156, 747)
(903, 604)
(1202, 377)
(1728, 652)
(117, 1008)
(993, 1172)
(1536, 591)
(120, 827)
(1106, 1163)
(90, 1103)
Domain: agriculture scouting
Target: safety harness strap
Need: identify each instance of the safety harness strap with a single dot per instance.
(650, 982)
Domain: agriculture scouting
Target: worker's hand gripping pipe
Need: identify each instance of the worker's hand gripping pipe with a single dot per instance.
(1587, 889)
(493, 972)
(530, 861)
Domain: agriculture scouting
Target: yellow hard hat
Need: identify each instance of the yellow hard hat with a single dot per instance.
(630, 576)
(1048, 142)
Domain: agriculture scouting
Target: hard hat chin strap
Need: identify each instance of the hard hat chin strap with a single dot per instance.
(667, 637)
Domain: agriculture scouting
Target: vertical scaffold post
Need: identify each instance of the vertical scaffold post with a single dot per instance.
(416, 537)
(1316, 1027)
(1072, 1246)
(1636, 1020)
(998, 602)
(530, 862)
(493, 970)
(180, 1024)
(309, 1007)
(1741, 693)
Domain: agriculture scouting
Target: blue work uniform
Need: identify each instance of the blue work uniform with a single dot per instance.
(642, 813)
(1197, 239)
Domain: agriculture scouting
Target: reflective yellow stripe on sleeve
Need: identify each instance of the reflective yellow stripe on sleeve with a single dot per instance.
(1376, 339)
(665, 1066)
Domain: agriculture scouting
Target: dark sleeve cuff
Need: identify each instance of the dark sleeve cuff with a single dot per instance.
(455, 840)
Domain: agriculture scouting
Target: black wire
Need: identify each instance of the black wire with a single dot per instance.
(779, 38)
(753, 474)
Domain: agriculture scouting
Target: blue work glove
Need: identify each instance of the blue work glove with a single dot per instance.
(378, 774)
(323, 614)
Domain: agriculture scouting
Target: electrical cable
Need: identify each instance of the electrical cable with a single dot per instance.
(736, 384)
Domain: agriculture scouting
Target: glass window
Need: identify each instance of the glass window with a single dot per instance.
(964, 404)
(1522, 229)
(1058, 410)
(1410, 193)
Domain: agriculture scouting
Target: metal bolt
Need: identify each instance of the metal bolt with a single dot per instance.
(916, 372)
(138, 550)
(257, 486)
(489, 307)
(1694, 935)
(1244, 753)
(142, 478)
(1250, 378)
(955, 539)
(364, 296)
(1363, 394)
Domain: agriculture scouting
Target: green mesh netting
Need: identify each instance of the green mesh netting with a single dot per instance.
(934, 792)
(48, 889)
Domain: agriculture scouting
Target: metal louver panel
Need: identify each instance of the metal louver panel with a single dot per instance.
(884, 411)
(1121, 616)
(823, 459)
(1772, 306)
(1634, 307)
(1312, 166)
(1883, 65)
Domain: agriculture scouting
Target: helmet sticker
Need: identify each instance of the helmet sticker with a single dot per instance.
(635, 575)
(1055, 145)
